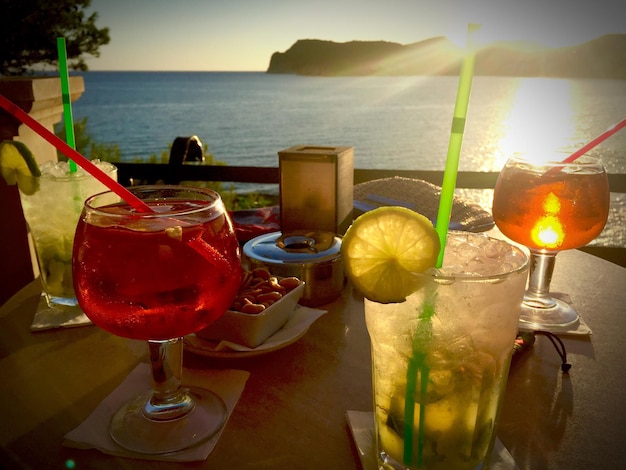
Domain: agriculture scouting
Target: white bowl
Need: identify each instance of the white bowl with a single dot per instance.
(251, 330)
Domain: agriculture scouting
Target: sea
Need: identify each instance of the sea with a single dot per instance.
(400, 122)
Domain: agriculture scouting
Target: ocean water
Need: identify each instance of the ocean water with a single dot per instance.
(392, 122)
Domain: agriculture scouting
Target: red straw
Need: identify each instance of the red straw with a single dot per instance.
(68, 151)
(605, 135)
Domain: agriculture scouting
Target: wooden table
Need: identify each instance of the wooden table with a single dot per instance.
(292, 411)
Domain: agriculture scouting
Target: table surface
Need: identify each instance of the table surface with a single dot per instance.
(292, 411)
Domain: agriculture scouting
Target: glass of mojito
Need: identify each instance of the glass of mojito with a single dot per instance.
(440, 358)
(52, 213)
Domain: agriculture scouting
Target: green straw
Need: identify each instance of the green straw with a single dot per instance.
(456, 141)
(67, 100)
(417, 365)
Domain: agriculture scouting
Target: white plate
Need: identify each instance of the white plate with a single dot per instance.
(295, 328)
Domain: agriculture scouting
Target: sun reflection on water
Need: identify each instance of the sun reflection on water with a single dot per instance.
(541, 121)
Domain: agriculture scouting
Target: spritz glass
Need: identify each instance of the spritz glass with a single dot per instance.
(158, 276)
(550, 206)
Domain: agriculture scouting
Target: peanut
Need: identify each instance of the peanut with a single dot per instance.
(269, 296)
(261, 273)
(253, 309)
(289, 283)
(259, 290)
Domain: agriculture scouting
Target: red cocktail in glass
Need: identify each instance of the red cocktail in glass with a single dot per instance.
(158, 276)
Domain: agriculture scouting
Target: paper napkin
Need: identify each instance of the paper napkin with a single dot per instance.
(362, 426)
(47, 318)
(93, 433)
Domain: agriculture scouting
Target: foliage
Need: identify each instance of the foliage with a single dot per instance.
(251, 201)
(86, 146)
(30, 28)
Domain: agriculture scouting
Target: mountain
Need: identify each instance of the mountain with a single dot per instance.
(604, 57)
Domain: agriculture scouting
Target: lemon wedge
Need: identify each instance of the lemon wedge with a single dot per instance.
(18, 166)
(384, 248)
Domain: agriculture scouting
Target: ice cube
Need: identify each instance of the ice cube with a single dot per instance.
(61, 169)
(476, 255)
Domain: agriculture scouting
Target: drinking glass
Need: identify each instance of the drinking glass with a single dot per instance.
(158, 276)
(52, 213)
(550, 206)
(440, 359)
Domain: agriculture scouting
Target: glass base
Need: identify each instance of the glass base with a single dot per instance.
(386, 462)
(131, 429)
(558, 317)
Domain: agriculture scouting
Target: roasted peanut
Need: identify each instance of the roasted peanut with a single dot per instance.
(269, 296)
(253, 309)
(261, 273)
(289, 283)
(259, 290)
(246, 279)
(273, 282)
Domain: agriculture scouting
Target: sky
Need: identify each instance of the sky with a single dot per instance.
(242, 35)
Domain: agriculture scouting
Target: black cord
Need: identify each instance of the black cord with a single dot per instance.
(560, 348)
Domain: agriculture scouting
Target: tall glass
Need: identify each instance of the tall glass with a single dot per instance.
(440, 359)
(158, 276)
(52, 213)
(550, 206)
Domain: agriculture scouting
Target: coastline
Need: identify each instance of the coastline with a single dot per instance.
(401, 123)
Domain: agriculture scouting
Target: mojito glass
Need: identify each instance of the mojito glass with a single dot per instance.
(52, 215)
(440, 359)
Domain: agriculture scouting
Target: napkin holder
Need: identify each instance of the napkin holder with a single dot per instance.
(316, 188)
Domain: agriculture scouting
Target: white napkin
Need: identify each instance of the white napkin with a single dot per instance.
(362, 426)
(299, 322)
(93, 433)
(47, 318)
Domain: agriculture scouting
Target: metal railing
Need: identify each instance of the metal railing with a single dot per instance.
(128, 173)
(152, 172)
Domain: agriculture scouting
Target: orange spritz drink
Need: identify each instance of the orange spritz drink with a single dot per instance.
(549, 207)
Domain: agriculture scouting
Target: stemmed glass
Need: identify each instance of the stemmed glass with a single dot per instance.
(158, 276)
(550, 206)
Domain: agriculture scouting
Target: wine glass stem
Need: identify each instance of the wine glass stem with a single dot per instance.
(169, 399)
(541, 269)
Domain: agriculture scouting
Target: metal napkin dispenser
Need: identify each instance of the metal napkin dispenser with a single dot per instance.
(316, 188)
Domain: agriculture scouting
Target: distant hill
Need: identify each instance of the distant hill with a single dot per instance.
(604, 57)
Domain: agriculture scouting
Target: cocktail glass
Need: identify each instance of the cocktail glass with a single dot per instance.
(550, 206)
(52, 214)
(158, 276)
(440, 359)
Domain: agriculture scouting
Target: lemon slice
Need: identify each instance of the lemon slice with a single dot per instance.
(383, 249)
(18, 166)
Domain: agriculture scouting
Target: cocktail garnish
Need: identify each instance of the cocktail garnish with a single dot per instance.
(19, 166)
(383, 250)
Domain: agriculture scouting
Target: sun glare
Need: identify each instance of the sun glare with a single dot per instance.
(470, 34)
(541, 121)
(548, 231)
(552, 204)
